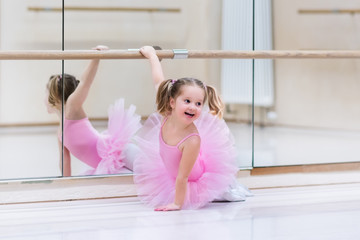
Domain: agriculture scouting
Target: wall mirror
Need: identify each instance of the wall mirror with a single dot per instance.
(281, 112)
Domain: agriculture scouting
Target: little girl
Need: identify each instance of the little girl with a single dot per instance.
(101, 151)
(188, 155)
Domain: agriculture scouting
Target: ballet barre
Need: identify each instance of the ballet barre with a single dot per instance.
(104, 9)
(329, 11)
(174, 54)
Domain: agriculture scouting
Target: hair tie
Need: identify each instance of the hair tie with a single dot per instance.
(173, 81)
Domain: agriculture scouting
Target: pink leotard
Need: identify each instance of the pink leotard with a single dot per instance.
(171, 156)
(80, 138)
(103, 151)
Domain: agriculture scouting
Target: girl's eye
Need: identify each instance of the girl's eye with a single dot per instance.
(198, 104)
(187, 100)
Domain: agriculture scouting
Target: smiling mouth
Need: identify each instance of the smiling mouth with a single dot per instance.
(189, 114)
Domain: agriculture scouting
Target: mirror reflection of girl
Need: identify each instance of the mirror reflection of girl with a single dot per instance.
(188, 156)
(101, 151)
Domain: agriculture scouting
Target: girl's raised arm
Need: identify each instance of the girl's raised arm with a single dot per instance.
(156, 69)
(78, 97)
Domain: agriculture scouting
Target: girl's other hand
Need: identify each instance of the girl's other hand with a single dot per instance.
(169, 207)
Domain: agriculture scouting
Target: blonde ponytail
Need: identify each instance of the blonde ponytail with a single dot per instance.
(163, 97)
(216, 105)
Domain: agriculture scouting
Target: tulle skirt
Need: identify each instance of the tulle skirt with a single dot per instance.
(156, 187)
(122, 126)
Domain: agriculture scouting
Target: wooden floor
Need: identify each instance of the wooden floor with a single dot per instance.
(313, 212)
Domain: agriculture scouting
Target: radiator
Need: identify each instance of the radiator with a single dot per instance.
(237, 34)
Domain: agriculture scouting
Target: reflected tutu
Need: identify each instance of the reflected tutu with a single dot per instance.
(122, 125)
(213, 172)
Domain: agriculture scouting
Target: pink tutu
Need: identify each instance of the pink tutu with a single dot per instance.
(122, 125)
(156, 186)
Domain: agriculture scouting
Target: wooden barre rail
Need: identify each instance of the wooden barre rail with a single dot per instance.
(107, 9)
(196, 54)
(329, 11)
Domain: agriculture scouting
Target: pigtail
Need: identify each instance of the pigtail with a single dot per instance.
(54, 91)
(215, 103)
(163, 97)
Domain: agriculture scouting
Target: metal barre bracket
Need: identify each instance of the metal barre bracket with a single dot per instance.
(180, 53)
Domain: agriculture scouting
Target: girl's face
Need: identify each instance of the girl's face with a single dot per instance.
(188, 105)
